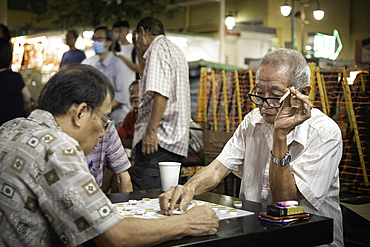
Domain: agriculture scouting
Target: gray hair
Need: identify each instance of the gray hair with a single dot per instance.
(297, 64)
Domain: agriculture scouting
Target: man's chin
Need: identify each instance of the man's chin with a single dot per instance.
(269, 118)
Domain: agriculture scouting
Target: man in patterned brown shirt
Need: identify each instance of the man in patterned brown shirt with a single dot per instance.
(47, 195)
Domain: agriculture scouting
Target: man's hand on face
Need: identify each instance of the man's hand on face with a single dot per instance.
(149, 143)
(134, 42)
(181, 195)
(295, 109)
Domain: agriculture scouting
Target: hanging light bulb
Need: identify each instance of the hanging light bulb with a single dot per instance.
(318, 14)
(285, 9)
(230, 22)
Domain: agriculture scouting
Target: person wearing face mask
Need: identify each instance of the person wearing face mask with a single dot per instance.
(113, 67)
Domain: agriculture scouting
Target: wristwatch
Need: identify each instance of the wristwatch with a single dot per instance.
(284, 162)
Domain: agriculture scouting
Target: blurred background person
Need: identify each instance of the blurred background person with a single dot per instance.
(113, 68)
(15, 98)
(127, 128)
(73, 55)
(109, 164)
(4, 33)
(127, 52)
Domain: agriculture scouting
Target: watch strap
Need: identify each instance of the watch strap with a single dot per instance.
(284, 162)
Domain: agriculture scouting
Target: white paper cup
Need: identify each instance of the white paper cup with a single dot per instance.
(169, 174)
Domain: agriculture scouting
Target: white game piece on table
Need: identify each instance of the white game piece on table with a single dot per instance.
(146, 200)
(215, 207)
(200, 203)
(149, 211)
(176, 212)
(232, 211)
(161, 216)
(128, 215)
(208, 204)
(222, 210)
(132, 202)
(194, 201)
(238, 204)
(140, 212)
(127, 207)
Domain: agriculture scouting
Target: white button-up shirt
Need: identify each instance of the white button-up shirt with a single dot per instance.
(316, 150)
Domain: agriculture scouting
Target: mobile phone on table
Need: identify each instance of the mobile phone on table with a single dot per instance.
(296, 216)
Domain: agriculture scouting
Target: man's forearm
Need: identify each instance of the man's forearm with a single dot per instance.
(282, 182)
(158, 108)
(124, 182)
(207, 178)
(130, 64)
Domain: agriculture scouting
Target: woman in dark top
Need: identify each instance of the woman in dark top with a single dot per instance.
(15, 98)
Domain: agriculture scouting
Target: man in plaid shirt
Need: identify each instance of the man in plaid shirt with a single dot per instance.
(162, 127)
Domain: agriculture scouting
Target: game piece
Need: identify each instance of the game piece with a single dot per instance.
(222, 210)
(160, 216)
(176, 212)
(194, 201)
(149, 211)
(132, 202)
(128, 215)
(232, 211)
(146, 200)
(128, 207)
(200, 203)
(208, 204)
(140, 212)
(238, 204)
(215, 207)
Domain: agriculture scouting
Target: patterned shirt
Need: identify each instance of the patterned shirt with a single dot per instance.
(166, 72)
(316, 150)
(47, 195)
(109, 153)
(113, 68)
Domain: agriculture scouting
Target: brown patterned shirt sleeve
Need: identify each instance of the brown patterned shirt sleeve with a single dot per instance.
(47, 195)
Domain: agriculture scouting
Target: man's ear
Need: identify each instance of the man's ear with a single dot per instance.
(306, 90)
(79, 114)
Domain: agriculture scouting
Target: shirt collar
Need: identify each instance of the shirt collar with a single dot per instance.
(44, 118)
(151, 45)
(299, 134)
(108, 59)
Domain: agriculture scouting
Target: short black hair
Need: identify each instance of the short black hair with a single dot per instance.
(6, 51)
(121, 24)
(152, 25)
(132, 84)
(74, 84)
(108, 33)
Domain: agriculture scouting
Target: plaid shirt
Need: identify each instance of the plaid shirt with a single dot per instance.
(109, 153)
(166, 72)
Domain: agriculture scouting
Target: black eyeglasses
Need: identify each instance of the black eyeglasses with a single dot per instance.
(107, 124)
(98, 39)
(258, 100)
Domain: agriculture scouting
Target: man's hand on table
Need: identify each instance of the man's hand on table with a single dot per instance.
(181, 195)
(201, 220)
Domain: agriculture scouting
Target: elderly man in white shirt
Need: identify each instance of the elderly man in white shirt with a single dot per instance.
(282, 150)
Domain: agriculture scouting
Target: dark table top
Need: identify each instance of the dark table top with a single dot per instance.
(248, 230)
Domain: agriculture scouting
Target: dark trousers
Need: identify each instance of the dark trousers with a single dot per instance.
(145, 173)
